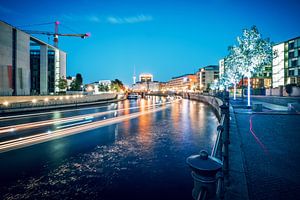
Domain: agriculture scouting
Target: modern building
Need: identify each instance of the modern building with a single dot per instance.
(152, 86)
(184, 83)
(146, 77)
(14, 61)
(207, 76)
(146, 83)
(27, 64)
(286, 64)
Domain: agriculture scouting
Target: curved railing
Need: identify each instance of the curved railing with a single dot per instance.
(219, 153)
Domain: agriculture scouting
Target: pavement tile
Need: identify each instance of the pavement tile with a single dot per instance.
(270, 155)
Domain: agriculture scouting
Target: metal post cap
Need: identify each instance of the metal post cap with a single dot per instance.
(204, 164)
(203, 155)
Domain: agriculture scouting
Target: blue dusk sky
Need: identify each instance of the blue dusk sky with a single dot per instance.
(162, 37)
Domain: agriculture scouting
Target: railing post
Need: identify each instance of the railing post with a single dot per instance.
(204, 170)
(225, 137)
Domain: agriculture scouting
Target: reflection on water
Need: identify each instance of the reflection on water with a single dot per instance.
(142, 158)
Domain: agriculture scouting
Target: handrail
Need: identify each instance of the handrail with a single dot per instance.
(219, 133)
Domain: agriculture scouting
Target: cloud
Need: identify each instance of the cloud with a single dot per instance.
(112, 20)
(93, 18)
(129, 20)
(78, 18)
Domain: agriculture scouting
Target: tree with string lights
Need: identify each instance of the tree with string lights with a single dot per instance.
(253, 53)
(233, 68)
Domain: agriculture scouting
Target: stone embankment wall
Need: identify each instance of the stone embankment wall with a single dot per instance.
(28, 103)
(211, 100)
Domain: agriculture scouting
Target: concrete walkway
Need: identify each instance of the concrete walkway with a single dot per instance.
(264, 153)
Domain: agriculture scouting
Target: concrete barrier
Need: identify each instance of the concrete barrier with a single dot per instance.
(50, 102)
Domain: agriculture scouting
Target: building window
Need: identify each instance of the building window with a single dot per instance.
(291, 54)
(294, 63)
(291, 72)
(291, 45)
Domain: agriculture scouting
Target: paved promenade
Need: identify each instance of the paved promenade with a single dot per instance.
(264, 153)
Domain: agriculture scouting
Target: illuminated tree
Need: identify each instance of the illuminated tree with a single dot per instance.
(254, 52)
(233, 68)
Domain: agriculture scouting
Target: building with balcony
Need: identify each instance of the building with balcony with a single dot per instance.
(207, 76)
(286, 64)
(184, 83)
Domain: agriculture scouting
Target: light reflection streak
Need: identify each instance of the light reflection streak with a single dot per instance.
(39, 138)
(62, 120)
(57, 113)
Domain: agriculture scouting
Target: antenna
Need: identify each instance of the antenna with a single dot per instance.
(134, 76)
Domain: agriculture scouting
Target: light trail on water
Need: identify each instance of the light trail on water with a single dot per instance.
(67, 131)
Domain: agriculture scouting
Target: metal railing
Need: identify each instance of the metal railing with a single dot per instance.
(216, 151)
(218, 175)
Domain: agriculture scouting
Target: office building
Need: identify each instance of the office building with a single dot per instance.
(145, 77)
(207, 76)
(286, 64)
(27, 64)
(184, 83)
(146, 83)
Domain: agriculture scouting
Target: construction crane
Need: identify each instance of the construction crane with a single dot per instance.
(55, 34)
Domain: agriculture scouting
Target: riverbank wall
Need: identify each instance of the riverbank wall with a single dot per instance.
(32, 103)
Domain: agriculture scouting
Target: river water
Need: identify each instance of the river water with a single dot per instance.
(141, 158)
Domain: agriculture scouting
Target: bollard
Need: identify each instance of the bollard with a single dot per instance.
(204, 170)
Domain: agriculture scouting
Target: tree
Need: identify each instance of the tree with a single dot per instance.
(103, 88)
(79, 79)
(254, 52)
(233, 68)
(62, 83)
(117, 85)
(77, 83)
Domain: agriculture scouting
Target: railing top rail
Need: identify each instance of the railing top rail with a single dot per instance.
(217, 142)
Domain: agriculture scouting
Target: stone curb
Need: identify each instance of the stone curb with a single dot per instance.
(237, 188)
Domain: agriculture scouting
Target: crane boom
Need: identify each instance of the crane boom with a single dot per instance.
(82, 35)
(56, 34)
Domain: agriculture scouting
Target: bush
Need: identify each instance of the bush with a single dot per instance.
(289, 88)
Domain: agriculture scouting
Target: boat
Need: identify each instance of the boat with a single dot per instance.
(133, 96)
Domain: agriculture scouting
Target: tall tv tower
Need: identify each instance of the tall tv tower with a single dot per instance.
(134, 77)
